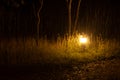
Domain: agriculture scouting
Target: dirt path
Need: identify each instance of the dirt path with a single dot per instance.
(98, 70)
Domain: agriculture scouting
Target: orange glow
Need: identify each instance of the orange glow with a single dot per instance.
(83, 40)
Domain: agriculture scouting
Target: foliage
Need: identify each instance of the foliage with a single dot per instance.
(63, 50)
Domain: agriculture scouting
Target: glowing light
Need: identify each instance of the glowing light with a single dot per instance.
(83, 40)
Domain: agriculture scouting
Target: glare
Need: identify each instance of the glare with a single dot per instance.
(83, 40)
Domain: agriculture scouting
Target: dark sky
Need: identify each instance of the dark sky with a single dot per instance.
(96, 16)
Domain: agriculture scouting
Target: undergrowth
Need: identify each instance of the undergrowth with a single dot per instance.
(63, 50)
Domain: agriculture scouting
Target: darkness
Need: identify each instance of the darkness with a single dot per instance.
(18, 19)
(54, 17)
(100, 17)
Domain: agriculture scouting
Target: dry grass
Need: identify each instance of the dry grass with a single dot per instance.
(63, 50)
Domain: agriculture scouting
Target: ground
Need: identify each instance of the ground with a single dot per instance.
(108, 69)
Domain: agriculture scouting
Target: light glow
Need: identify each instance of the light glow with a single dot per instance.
(83, 40)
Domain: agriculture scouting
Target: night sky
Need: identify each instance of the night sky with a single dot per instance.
(18, 19)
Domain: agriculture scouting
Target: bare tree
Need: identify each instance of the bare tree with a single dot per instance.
(70, 23)
(69, 5)
(37, 15)
(77, 15)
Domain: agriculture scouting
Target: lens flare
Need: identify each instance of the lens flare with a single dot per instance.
(83, 40)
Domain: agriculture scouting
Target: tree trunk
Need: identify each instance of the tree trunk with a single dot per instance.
(69, 17)
(77, 16)
(69, 5)
(38, 20)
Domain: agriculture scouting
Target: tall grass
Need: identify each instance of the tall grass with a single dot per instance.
(63, 50)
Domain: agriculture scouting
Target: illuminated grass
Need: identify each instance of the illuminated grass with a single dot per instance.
(63, 50)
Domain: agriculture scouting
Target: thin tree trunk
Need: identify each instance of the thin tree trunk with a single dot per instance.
(69, 5)
(69, 17)
(77, 16)
(38, 22)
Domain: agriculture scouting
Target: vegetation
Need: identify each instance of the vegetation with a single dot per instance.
(63, 50)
